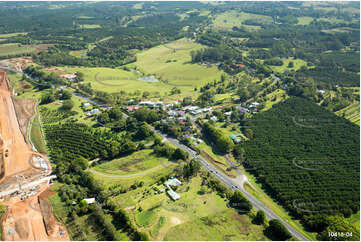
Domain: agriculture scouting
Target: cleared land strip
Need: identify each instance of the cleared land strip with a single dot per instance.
(130, 175)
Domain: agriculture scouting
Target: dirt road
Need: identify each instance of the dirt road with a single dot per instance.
(18, 151)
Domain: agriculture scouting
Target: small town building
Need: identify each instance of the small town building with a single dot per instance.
(89, 200)
(132, 108)
(195, 112)
(175, 196)
(172, 182)
(214, 118)
(147, 103)
(85, 105)
(242, 109)
(69, 77)
(93, 111)
(228, 113)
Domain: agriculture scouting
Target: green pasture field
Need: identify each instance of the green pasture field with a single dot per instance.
(78, 52)
(89, 26)
(274, 97)
(5, 36)
(226, 225)
(304, 20)
(339, 30)
(123, 179)
(15, 49)
(355, 220)
(297, 64)
(84, 17)
(351, 112)
(231, 19)
(137, 162)
(171, 64)
(165, 219)
(177, 72)
(138, 6)
(116, 80)
(223, 97)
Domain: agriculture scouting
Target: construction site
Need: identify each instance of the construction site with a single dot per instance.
(25, 175)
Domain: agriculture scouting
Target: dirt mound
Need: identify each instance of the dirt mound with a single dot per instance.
(52, 226)
(32, 220)
(22, 228)
(24, 109)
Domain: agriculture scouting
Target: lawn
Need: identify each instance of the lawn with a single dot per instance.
(231, 19)
(15, 49)
(137, 162)
(146, 217)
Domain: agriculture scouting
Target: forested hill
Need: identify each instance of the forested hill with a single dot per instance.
(307, 158)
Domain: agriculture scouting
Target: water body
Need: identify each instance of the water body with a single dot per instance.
(148, 79)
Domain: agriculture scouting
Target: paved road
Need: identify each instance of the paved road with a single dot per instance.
(234, 184)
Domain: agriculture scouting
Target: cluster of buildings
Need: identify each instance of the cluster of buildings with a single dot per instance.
(195, 110)
(92, 111)
(172, 182)
(69, 77)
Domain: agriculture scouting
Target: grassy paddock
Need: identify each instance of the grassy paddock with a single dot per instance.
(297, 64)
(169, 63)
(351, 112)
(231, 19)
(5, 36)
(304, 20)
(137, 162)
(15, 49)
(189, 217)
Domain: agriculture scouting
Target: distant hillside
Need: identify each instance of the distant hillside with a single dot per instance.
(307, 157)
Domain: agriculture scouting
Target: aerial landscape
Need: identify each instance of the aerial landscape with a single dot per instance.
(179, 121)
